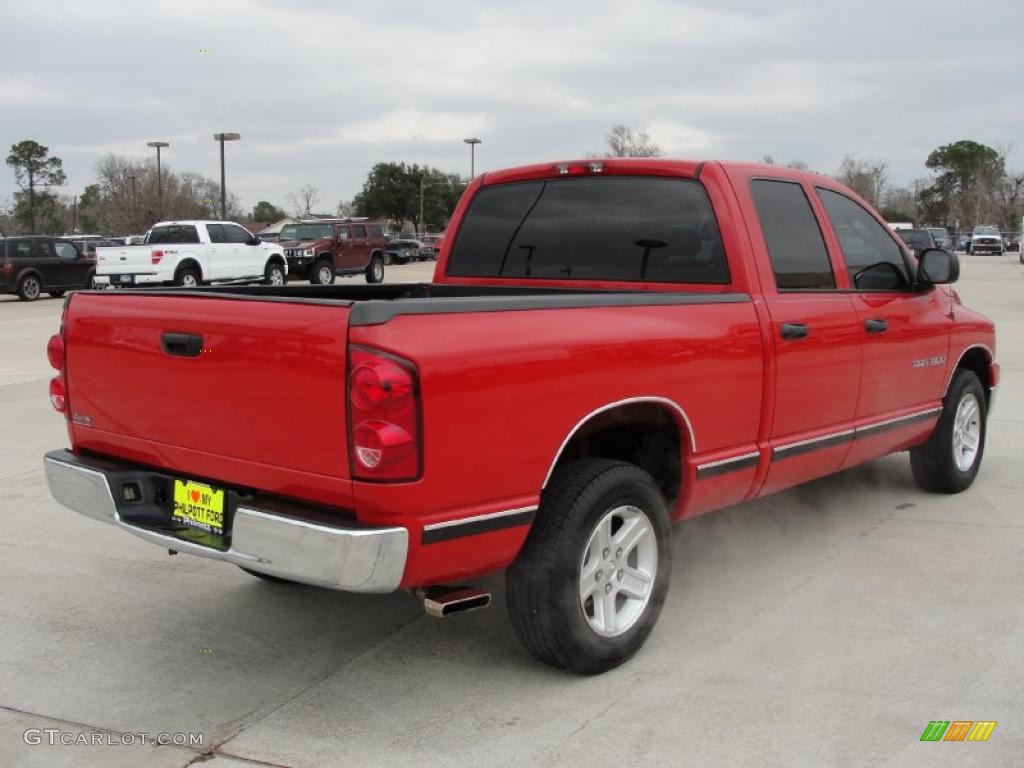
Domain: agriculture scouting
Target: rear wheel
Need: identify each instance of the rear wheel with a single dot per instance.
(323, 273)
(589, 583)
(187, 278)
(949, 461)
(29, 288)
(375, 270)
(274, 274)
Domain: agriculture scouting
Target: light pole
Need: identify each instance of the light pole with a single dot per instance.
(135, 216)
(222, 137)
(159, 183)
(472, 155)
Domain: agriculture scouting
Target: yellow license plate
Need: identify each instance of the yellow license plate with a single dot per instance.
(199, 506)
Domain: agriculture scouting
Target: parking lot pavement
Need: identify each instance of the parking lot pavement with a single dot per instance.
(826, 625)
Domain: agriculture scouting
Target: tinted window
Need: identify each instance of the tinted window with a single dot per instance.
(235, 234)
(160, 235)
(21, 248)
(44, 249)
(358, 233)
(216, 233)
(865, 243)
(795, 243)
(611, 228)
(66, 251)
(376, 230)
(916, 239)
(187, 235)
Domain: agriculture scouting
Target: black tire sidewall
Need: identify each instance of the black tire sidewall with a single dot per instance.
(23, 295)
(965, 381)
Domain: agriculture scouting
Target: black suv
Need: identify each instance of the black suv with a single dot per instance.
(30, 266)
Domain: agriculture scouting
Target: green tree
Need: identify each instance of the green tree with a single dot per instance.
(967, 177)
(395, 191)
(34, 172)
(267, 212)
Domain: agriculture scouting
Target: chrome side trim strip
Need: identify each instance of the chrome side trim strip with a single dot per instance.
(881, 426)
(628, 401)
(812, 444)
(470, 526)
(732, 464)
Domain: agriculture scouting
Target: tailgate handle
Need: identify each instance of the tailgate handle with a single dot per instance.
(181, 344)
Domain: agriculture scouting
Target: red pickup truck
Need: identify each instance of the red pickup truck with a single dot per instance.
(608, 347)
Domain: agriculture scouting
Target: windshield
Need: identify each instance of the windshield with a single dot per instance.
(990, 231)
(305, 232)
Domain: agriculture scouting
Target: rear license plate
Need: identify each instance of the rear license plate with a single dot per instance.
(198, 506)
(125, 279)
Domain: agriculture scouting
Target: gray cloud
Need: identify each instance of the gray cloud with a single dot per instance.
(320, 91)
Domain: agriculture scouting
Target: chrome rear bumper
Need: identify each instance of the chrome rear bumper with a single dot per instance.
(353, 559)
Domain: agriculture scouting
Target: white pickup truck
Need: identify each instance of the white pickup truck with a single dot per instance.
(188, 253)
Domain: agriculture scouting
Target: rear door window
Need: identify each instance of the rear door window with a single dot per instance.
(358, 233)
(796, 246)
(44, 249)
(610, 228)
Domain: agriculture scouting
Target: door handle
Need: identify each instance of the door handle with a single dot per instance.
(794, 331)
(181, 344)
(876, 325)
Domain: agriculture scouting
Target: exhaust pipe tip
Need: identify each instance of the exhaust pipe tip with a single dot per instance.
(442, 601)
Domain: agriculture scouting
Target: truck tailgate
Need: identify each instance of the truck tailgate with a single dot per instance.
(130, 259)
(257, 381)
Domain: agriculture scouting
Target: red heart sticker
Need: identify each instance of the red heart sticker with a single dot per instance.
(195, 496)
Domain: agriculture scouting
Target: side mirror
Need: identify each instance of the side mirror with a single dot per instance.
(936, 266)
(255, 240)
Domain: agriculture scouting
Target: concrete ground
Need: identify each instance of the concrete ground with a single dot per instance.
(824, 626)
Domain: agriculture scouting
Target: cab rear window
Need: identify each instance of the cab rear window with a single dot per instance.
(639, 229)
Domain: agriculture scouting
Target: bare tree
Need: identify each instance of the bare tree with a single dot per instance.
(868, 178)
(623, 141)
(767, 159)
(346, 209)
(305, 200)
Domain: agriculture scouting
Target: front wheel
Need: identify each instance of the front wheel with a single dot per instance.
(949, 461)
(375, 270)
(323, 273)
(274, 274)
(590, 581)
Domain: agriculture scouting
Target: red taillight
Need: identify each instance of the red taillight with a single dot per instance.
(55, 352)
(384, 414)
(8, 268)
(58, 394)
(155, 256)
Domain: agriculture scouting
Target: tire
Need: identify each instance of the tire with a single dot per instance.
(375, 270)
(387, 259)
(274, 274)
(56, 294)
(947, 463)
(548, 610)
(268, 577)
(322, 273)
(29, 288)
(186, 278)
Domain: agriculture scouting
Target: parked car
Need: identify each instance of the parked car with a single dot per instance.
(986, 240)
(607, 347)
(430, 245)
(941, 237)
(190, 253)
(319, 250)
(919, 240)
(31, 266)
(402, 251)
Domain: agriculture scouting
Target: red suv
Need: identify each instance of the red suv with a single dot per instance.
(321, 249)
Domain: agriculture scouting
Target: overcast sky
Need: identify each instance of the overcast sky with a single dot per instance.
(320, 90)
